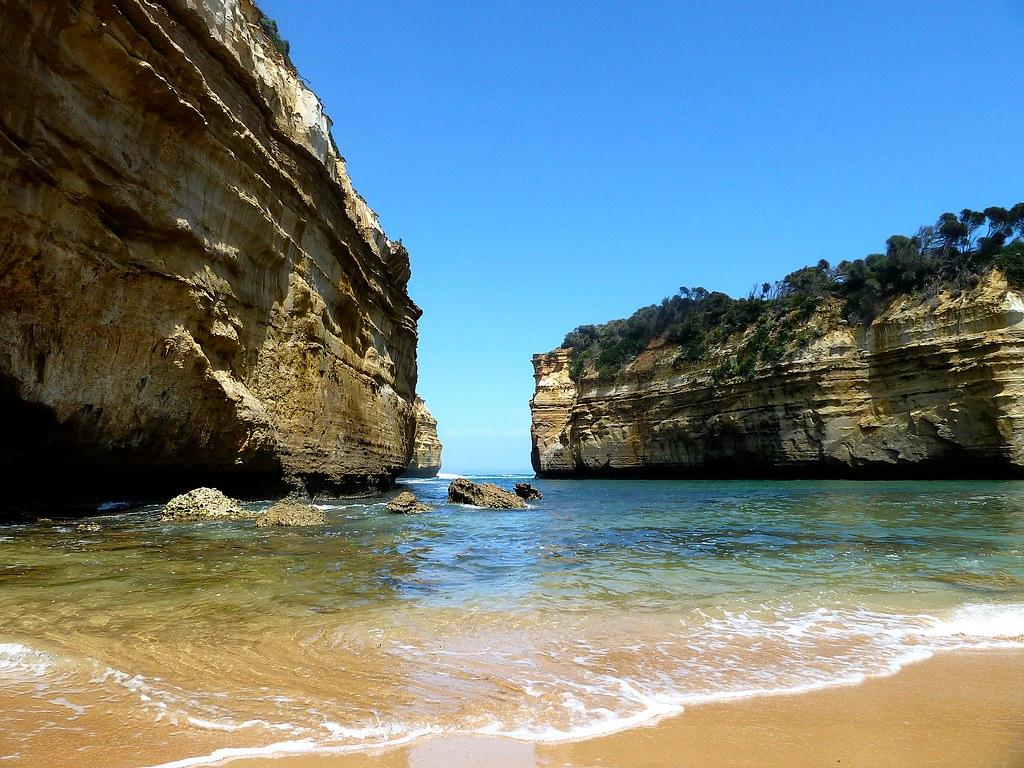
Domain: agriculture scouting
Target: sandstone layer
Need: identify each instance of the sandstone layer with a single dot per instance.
(193, 291)
(933, 387)
(426, 454)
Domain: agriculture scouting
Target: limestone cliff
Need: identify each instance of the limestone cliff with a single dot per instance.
(193, 291)
(426, 454)
(932, 387)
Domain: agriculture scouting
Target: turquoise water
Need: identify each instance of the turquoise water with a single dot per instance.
(606, 604)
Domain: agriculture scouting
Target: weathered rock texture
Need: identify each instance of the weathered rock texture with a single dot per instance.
(289, 513)
(527, 492)
(426, 454)
(463, 491)
(933, 387)
(192, 289)
(406, 503)
(203, 504)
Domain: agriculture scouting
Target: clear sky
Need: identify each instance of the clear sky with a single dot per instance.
(556, 163)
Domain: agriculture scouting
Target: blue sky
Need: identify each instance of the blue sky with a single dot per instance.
(551, 164)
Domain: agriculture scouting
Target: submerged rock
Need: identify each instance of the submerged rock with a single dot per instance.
(289, 512)
(528, 492)
(463, 491)
(203, 504)
(406, 503)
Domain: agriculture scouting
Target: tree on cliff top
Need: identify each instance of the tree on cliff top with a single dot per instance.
(954, 252)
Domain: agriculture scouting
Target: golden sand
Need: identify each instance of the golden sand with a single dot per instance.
(956, 710)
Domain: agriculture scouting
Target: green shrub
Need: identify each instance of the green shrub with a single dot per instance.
(1011, 263)
(269, 27)
(955, 251)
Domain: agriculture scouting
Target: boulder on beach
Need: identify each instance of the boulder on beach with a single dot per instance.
(406, 503)
(463, 491)
(203, 504)
(528, 492)
(291, 513)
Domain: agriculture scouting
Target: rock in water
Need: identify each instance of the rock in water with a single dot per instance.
(203, 504)
(406, 503)
(289, 512)
(88, 527)
(191, 285)
(528, 492)
(426, 454)
(463, 491)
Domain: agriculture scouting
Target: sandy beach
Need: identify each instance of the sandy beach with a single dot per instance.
(956, 710)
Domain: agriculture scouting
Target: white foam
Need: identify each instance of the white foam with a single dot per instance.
(19, 661)
(576, 701)
(996, 622)
(288, 748)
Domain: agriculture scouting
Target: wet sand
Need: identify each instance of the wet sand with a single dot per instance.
(957, 709)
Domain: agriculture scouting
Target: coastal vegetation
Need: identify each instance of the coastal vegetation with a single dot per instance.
(270, 29)
(955, 252)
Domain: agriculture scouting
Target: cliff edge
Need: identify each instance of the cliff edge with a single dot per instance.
(193, 291)
(426, 454)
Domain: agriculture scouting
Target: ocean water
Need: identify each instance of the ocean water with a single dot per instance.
(604, 606)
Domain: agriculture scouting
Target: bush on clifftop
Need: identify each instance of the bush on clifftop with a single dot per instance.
(955, 252)
(269, 27)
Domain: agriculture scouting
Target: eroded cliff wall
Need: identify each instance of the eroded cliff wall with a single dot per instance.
(192, 290)
(426, 453)
(933, 387)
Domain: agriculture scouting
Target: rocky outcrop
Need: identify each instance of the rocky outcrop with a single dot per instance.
(289, 513)
(934, 387)
(202, 504)
(463, 491)
(426, 454)
(406, 503)
(193, 292)
(527, 492)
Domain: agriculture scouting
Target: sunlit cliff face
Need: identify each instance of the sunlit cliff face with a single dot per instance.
(193, 289)
(933, 387)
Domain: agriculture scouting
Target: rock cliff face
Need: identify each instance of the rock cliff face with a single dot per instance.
(931, 388)
(192, 290)
(426, 454)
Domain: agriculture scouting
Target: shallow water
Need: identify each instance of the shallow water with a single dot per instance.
(603, 606)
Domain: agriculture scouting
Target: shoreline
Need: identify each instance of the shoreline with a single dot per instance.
(976, 695)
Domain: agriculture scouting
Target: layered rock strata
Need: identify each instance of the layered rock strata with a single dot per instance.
(426, 454)
(193, 291)
(934, 387)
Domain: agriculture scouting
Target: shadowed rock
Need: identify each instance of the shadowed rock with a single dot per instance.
(528, 492)
(463, 491)
(406, 503)
(291, 513)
